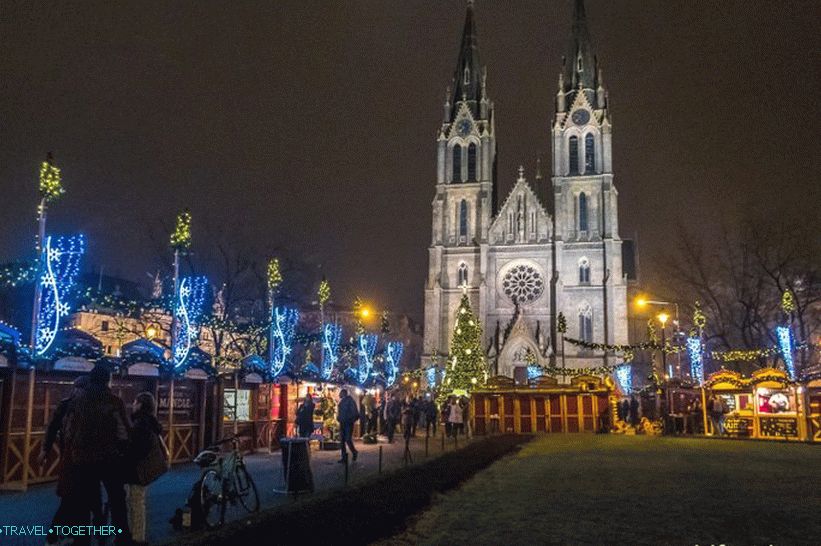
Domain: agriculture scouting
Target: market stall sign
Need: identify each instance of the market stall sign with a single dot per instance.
(779, 427)
(145, 369)
(254, 378)
(196, 373)
(73, 364)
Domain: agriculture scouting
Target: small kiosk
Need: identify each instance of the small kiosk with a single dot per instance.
(812, 394)
(733, 390)
(543, 405)
(777, 406)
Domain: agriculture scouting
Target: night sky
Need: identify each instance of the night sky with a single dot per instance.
(310, 126)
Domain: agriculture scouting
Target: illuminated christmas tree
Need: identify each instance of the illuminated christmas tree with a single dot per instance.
(466, 367)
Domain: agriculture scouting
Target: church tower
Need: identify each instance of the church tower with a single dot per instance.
(589, 288)
(464, 204)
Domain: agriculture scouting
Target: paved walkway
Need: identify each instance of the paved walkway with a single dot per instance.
(37, 505)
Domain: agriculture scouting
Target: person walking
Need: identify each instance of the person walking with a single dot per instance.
(305, 417)
(370, 407)
(96, 430)
(455, 416)
(431, 413)
(148, 458)
(446, 417)
(347, 414)
(716, 410)
(393, 412)
(363, 416)
(55, 434)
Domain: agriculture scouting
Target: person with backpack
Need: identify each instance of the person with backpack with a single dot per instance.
(55, 434)
(347, 415)
(149, 460)
(96, 438)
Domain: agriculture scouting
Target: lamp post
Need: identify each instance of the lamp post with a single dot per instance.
(663, 317)
(641, 302)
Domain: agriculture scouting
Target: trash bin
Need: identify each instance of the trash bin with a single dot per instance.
(296, 465)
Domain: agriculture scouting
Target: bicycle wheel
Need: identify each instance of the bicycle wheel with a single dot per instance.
(246, 489)
(212, 500)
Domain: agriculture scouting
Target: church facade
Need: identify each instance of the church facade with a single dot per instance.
(521, 260)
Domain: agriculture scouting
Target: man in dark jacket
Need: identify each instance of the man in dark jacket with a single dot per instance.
(431, 413)
(96, 431)
(347, 414)
(393, 413)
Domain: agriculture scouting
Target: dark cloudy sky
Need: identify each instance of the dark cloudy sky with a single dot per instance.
(310, 125)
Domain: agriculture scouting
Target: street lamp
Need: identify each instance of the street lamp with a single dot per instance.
(642, 302)
(663, 317)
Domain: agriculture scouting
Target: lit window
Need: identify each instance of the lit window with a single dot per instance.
(237, 403)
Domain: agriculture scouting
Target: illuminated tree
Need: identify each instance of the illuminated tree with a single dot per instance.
(466, 367)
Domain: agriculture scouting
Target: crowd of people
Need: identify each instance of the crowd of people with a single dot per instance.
(392, 413)
(103, 447)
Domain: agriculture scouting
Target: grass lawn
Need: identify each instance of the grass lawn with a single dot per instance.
(609, 489)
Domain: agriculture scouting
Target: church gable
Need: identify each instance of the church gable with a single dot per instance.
(522, 218)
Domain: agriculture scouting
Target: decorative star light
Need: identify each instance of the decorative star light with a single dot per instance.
(624, 375)
(785, 346)
(696, 354)
(188, 308)
(283, 328)
(393, 356)
(431, 376)
(331, 338)
(366, 346)
(59, 263)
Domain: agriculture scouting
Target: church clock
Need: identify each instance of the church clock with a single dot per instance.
(580, 117)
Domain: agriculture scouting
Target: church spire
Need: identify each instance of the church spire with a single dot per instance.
(468, 79)
(580, 66)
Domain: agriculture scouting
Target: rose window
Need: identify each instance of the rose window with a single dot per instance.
(523, 284)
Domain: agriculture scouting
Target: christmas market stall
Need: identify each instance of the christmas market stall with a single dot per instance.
(731, 390)
(34, 394)
(541, 405)
(778, 406)
(182, 397)
(812, 393)
(252, 406)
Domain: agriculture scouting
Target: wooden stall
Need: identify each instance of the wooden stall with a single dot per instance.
(812, 397)
(541, 406)
(181, 405)
(766, 406)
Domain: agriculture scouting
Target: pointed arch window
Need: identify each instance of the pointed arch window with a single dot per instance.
(457, 163)
(582, 212)
(573, 147)
(463, 274)
(467, 76)
(586, 324)
(584, 271)
(463, 221)
(472, 162)
(589, 154)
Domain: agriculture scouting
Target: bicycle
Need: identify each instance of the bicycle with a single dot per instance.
(224, 480)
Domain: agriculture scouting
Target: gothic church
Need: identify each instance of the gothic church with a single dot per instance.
(520, 261)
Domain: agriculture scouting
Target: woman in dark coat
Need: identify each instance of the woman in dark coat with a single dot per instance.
(305, 417)
(144, 427)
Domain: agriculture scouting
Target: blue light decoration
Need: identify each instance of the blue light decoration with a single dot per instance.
(624, 375)
(331, 338)
(696, 355)
(534, 372)
(393, 356)
(431, 376)
(283, 329)
(59, 265)
(784, 335)
(365, 347)
(187, 312)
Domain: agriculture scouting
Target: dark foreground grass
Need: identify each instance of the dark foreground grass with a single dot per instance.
(584, 489)
(366, 512)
